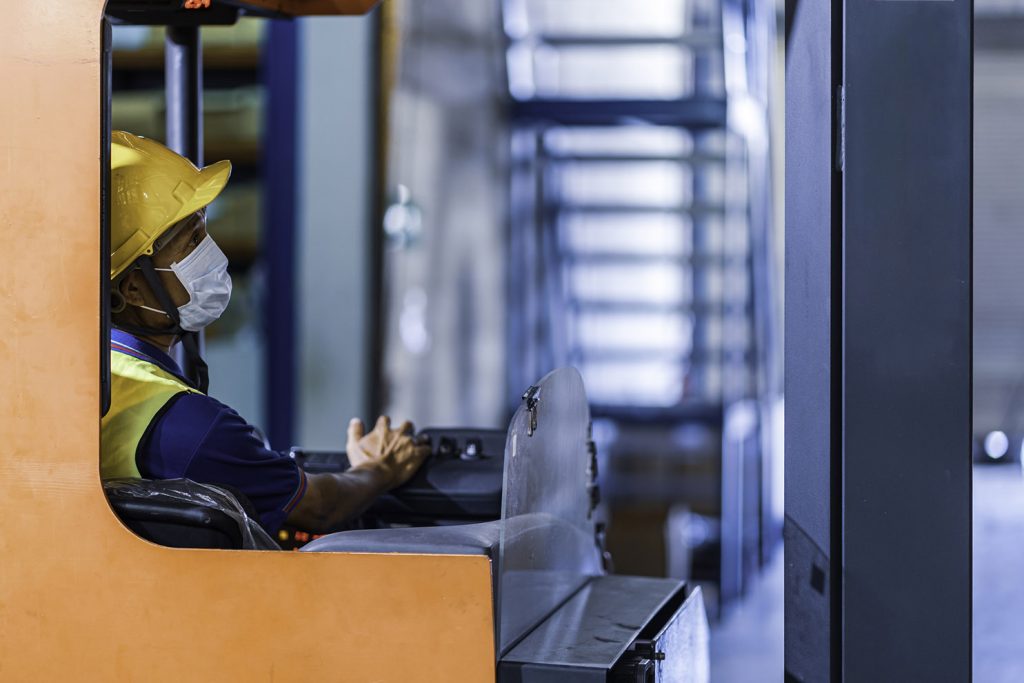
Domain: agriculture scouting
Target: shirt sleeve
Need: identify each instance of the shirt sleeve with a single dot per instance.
(199, 438)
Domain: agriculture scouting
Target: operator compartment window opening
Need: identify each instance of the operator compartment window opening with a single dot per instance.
(234, 115)
(221, 232)
(192, 82)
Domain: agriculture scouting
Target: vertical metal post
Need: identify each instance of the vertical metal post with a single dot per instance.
(907, 341)
(383, 71)
(183, 78)
(279, 74)
(878, 357)
(183, 88)
(812, 388)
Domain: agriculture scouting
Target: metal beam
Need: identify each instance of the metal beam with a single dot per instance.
(183, 87)
(878, 350)
(906, 612)
(280, 360)
(183, 77)
(693, 113)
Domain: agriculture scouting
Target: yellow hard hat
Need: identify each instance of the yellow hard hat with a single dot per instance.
(152, 188)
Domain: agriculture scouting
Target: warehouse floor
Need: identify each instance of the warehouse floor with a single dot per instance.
(747, 645)
(998, 574)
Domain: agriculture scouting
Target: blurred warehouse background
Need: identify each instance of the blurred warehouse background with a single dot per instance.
(508, 186)
(574, 183)
(505, 187)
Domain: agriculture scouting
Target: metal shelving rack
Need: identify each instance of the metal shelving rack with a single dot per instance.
(646, 281)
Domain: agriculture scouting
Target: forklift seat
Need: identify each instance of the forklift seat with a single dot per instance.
(181, 513)
(459, 539)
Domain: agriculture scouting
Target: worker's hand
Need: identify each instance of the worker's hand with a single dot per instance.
(392, 452)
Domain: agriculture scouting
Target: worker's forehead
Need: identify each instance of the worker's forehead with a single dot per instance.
(183, 231)
(188, 225)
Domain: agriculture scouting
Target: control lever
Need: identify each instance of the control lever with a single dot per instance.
(474, 450)
(447, 447)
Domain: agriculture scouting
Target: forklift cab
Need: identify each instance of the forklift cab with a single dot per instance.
(520, 595)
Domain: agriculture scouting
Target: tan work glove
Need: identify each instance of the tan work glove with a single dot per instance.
(393, 452)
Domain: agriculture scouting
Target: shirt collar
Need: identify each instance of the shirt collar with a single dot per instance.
(131, 345)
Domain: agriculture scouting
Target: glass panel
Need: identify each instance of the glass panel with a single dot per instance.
(736, 284)
(658, 284)
(444, 281)
(648, 219)
(603, 332)
(622, 141)
(735, 235)
(664, 18)
(709, 334)
(644, 71)
(547, 546)
(641, 234)
(654, 383)
(708, 286)
(737, 331)
(657, 184)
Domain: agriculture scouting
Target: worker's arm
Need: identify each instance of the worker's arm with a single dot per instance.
(331, 498)
(381, 460)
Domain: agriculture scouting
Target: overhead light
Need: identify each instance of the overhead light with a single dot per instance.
(996, 445)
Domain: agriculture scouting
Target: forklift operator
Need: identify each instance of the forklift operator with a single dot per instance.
(169, 280)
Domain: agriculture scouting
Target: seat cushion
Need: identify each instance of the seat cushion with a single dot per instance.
(461, 539)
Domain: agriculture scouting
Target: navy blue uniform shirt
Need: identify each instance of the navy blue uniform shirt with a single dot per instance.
(199, 438)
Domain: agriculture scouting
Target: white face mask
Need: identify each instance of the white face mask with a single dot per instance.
(204, 274)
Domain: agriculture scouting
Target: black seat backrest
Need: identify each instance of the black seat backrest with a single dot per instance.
(185, 514)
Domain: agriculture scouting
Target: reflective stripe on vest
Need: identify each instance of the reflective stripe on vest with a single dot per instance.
(138, 390)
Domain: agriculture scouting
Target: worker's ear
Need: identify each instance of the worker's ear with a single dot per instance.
(130, 289)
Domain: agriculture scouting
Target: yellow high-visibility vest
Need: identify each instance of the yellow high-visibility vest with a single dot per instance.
(138, 391)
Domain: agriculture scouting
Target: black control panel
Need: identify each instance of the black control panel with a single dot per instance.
(460, 481)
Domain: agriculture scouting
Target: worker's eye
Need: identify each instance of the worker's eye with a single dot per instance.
(196, 239)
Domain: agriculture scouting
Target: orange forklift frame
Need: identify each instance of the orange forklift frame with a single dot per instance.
(82, 597)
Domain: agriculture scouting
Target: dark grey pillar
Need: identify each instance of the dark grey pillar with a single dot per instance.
(878, 363)
(183, 88)
(183, 83)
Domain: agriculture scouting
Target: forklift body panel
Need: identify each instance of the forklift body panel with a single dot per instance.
(83, 598)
